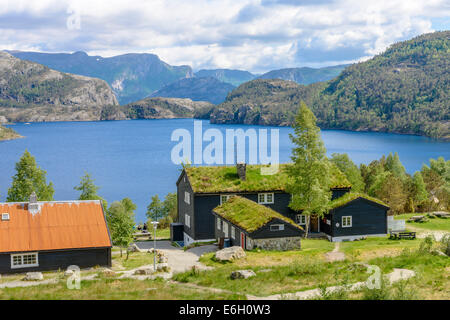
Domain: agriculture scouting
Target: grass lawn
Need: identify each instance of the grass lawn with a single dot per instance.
(161, 234)
(375, 247)
(439, 224)
(114, 289)
(135, 260)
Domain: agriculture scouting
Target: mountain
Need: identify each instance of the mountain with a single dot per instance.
(32, 92)
(157, 108)
(305, 75)
(234, 77)
(403, 90)
(198, 89)
(131, 76)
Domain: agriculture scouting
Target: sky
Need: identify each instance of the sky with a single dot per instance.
(253, 35)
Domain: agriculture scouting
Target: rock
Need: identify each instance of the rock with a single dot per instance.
(232, 253)
(34, 276)
(133, 248)
(3, 120)
(144, 271)
(439, 253)
(108, 272)
(163, 267)
(242, 274)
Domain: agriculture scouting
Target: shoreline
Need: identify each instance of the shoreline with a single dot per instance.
(442, 139)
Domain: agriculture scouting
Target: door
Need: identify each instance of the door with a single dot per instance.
(314, 224)
(243, 240)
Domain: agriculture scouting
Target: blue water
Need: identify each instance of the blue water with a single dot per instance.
(133, 158)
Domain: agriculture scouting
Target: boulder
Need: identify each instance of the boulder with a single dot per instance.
(163, 267)
(34, 276)
(232, 253)
(242, 274)
(144, 271)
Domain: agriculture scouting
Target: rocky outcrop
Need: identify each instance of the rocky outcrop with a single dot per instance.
(31, 92)
(8, 133)
(34, 276)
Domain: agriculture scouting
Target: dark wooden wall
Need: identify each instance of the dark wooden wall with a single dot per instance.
(367, 218)
(264, 232)
(183, 207)
(54, 260)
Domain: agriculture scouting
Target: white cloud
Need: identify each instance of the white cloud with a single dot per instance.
(251, 34)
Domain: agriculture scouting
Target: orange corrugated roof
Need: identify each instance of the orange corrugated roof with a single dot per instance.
(58, 225)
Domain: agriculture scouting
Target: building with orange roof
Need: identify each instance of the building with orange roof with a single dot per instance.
(52, 235)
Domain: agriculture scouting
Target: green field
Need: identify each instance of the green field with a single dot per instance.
(437, 224)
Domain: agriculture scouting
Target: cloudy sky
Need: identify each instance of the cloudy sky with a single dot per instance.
(255, 35)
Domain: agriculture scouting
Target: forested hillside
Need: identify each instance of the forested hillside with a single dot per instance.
(305, 75)
(404, 90)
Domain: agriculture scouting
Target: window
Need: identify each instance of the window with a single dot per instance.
(219, 223)
(187, 220)
(24, 260)
(277, 227)
(265, 198)
(225, 197)
(5, 216)
(233, 233)
(225, 229)
(187, 197)
(346, 222)
(300, 219)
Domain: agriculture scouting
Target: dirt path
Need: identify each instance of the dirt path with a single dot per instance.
(423, 233)
(335, 255)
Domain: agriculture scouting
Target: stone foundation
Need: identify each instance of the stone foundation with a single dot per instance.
(278, 244)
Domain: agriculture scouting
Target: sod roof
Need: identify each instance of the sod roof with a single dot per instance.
(249, 215)
(225, 179)
(348, 197)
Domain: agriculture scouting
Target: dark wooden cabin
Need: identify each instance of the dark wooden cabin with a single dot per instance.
(254, 226)
(43, 236)
(201, 189)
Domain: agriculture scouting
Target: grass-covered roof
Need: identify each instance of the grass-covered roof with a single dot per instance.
(225, 179)
(249, 215)
(350, 196)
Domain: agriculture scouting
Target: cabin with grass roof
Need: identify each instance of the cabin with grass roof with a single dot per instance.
(254, 226)
(202, 189)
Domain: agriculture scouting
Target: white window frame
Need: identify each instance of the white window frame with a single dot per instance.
(233, 233)
(280, 227)
(5, 216)
(187, 197)
(344, 222)
(22, 264)
(226, 196)
(265, 196)
(219, 223)
(225, 230)
(187, 220)
(302, 220)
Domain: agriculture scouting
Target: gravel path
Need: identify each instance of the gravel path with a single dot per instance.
(335, 255)
(178, 259)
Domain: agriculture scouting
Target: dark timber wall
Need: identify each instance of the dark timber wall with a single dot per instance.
(183, 207)
(264, 232)
(54, 260)
(367, 218)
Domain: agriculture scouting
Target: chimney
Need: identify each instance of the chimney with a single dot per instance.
(33, 205)
(241, 170)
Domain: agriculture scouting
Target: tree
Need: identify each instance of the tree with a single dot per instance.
(120, 218)
(310, 181)
(394, 165)
(89, 190)
(29, 177)
(351, 171)
(419, 191)
(389, 188)
(170, 205)
(155, 209)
